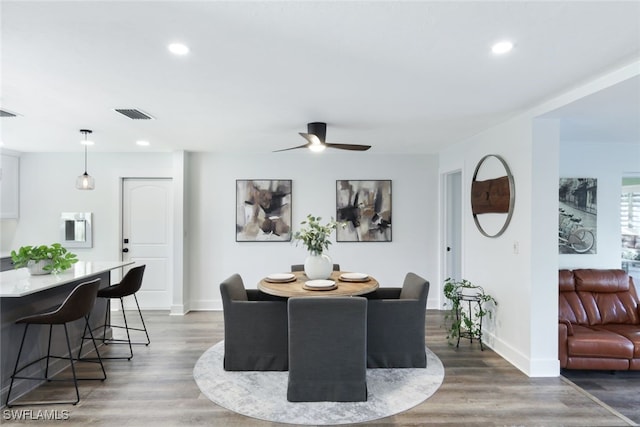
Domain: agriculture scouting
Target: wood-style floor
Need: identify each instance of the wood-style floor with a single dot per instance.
(156, 388)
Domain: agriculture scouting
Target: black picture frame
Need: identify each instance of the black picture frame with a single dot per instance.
(577, 216)
(263, 210)
(363, 210)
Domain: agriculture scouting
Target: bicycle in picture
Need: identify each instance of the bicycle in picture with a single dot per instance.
(572, 234)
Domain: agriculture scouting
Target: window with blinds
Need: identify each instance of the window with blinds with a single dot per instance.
(630, 213)
(630, 226)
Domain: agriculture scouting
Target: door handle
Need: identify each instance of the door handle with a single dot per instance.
(448, 249)
(125, 250)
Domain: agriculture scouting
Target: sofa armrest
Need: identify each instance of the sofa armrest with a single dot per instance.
(568, 326)
(563, 329)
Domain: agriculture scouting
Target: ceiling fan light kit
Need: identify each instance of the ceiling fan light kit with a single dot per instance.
(315, 136)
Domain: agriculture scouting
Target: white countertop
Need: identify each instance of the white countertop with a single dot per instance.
(18, 283)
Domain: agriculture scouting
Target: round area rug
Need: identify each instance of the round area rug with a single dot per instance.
(263, 395)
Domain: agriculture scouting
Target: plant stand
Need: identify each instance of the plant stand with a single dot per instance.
(470, 333)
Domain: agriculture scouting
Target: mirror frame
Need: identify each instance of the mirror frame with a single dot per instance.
(76, 216)
(512, 196)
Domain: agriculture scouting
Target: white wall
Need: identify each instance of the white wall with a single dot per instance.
(211, 252)
(491, 262)
(47, 188)
(216, 255)
(524, 330)
(608, 162)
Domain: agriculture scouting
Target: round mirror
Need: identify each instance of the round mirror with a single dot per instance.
(492, 195)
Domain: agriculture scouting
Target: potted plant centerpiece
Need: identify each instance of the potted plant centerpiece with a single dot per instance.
(43, 259)
(315, 237)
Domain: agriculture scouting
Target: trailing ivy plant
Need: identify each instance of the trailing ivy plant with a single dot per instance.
(460, 322)
(60, 258)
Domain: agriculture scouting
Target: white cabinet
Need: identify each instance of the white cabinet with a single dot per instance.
(9, 186)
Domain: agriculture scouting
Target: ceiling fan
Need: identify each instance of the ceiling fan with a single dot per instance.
(315, 136)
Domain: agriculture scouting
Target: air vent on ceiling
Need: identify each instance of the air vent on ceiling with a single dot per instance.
(133, 113)
(5, 113)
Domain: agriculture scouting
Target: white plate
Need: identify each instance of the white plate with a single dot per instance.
(320, 283)
(354, 276)
(283, 277)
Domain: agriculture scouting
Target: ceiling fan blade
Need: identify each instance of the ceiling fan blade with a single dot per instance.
(293, 148)
(311, 137)
(352, 147)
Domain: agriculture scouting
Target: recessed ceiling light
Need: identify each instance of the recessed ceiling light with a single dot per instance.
(502, 47)
(143, 143)
(178, 49)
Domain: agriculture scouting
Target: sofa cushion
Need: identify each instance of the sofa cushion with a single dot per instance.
(601, 280)
(570, 308)
(607, 297)
(630, 332)
(566, 281)
(588, 342)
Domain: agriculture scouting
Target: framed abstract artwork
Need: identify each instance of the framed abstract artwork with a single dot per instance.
(263, 210)
(363, 210)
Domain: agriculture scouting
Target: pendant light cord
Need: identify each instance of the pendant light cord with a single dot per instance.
(85, 132)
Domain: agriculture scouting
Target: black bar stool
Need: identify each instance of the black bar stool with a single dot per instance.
(76, 306)
(129, 285)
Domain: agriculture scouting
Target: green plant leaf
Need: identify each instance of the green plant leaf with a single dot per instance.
(61, 258)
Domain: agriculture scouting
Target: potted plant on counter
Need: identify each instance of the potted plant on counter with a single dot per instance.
(466, 321)
(315, 237)
(43, 259)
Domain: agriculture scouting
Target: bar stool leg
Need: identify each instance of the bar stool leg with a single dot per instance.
(15, 369)
(142, 319)
(73, 368)
(87, 326)
(46, 371)
(84, 335)
(126, 327)
(104, 327)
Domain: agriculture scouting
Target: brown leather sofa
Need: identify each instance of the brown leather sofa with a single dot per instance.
(599, 320)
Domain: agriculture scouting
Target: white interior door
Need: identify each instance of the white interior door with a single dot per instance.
(147, 224)
(453, 225)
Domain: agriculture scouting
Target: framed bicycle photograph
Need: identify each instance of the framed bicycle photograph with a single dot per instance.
(577, 215)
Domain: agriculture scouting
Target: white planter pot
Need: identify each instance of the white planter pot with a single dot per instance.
(318, 266)
(36, 268)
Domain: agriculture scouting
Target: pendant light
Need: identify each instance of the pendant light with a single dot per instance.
(85, 181)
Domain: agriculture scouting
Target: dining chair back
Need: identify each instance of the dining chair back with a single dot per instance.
(255, 328)
(327, 349)
(300, 267)
(396, 325)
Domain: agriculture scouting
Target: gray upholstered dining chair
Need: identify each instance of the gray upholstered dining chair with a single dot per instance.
(255, 328)
(396, 325)
(327, 349)
(300, 267)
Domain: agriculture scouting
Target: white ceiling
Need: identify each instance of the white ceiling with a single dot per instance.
(405, 77)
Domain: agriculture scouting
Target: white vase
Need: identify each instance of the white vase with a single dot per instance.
(318, 266)
(36, 268)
